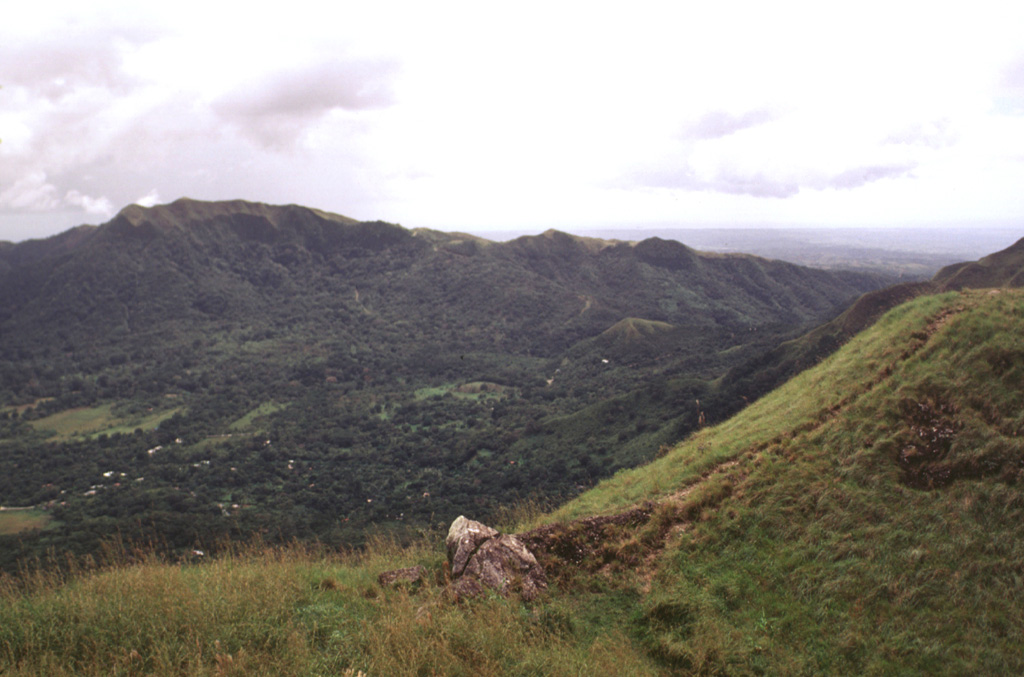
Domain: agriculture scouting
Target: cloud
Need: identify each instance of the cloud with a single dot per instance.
(718, 123)
(98, 206)
(935, 134)
(1008, 98)
(109, 100)
(65, 96)
(64, 60)
(150, 199)
(278, 107)
(860, 176)
(1013, 74)
(757, 184)
(30, 193)
(762, 183)
(34, 193)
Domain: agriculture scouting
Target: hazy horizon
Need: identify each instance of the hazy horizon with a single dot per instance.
(916, 250)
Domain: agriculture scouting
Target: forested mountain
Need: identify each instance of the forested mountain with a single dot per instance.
(309, 375)
(193, 266)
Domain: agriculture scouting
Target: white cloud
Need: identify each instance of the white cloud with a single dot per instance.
(279, 106)
(150, 199)
(32, 193)
(97, 206)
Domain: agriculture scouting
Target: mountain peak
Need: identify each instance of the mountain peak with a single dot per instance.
(186, 210)
(559, 243)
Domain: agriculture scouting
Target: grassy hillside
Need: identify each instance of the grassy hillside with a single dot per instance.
(765, 371)
(872, 521)
(865, 518)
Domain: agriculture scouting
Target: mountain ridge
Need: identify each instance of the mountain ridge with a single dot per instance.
(1003, 269)
(269, 241)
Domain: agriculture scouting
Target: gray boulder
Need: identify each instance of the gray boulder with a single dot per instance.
(464, 537)
(481, 558)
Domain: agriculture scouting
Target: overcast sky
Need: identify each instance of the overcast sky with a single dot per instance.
(477, 115)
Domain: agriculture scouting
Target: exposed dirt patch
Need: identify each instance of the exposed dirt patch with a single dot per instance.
(931, 429)
(585, 544)
(930, 459)
(630, 539)
(688, 489)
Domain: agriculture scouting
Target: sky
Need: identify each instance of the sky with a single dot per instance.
(517, 116)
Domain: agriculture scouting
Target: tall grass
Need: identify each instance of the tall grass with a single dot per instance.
(292, 610)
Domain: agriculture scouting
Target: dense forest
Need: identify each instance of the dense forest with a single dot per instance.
(198, 372)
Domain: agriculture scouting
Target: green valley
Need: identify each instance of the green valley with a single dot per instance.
(200, 372)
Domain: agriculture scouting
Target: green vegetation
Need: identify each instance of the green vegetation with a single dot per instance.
(13, 521)
(296, 611)
(74, 422)
(863, 519)
(260, 412)
(95, 421)
(192, 377)
(208, 371)
(872, 522)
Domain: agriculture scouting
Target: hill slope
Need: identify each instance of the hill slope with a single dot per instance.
(768, 370)
(863, 519)
(136, 279)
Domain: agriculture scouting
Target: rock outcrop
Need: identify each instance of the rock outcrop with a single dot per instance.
(481, 558)
(409, 575)
(465, 536)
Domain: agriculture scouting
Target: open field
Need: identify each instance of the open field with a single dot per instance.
(96, 421)
(18, 520)
(265, 409)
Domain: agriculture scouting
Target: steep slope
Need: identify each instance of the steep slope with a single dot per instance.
(687, 360)
(751, 379)
(1002, 269)
(865, 518)
(150, 271)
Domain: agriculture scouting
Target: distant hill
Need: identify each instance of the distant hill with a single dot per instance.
(1001, 269)
(914, 253)
(210, 262)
